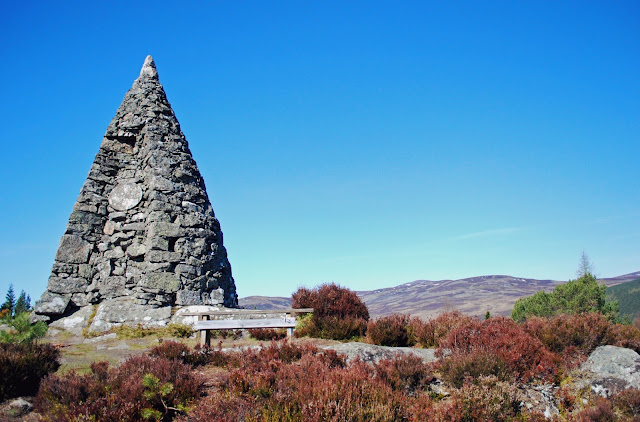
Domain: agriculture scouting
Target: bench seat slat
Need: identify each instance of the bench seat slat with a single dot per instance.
(238, 324)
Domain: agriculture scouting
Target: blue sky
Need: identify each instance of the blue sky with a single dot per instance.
(365, 143)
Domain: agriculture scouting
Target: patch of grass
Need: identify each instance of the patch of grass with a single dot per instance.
(85, 331)
(139, 331)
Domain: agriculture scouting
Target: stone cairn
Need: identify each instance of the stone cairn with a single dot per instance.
(142, 236)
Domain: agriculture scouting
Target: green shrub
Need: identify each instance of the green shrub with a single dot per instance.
(179, 330)
(140, 331)
(574, 297)
(23, 365)
(21, 330)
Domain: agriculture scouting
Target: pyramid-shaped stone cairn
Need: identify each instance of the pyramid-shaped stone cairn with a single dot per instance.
(142, 236)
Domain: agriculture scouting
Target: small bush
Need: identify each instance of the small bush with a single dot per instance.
(134, 331)
(628, 402)
(338, 314)
(459, 368)
(23, 365)
(125, 331)
(601, 411)
(267, 334)
(487, 400)
(225, 334)
(5, 314)
(179, 330)
(406, 373)
(199, 356)
(312, 389)
(171, 350)
(391, 330)
(21, 330)
(220, 406)
(625, 336)
(524, 355)
(142, 387)
(431, 332)
(622, 406)
(574, 337)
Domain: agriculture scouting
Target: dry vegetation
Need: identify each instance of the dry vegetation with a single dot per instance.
(485, 365)
(485, 370)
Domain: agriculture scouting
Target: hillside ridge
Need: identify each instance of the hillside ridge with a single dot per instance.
(427, 298)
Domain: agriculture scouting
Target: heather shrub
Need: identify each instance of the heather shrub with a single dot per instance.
(287, 352)
(390, 330)
(487, 400)
(222, 406)
(338, 314)
(429, 333)
(601, 411)
(524, 355)
(198, 356)
(622, 406)
(350, 394)
(142, 387)
(23, 365)
(172, 350)
(267, 334)
(226, 334)
(335, 394)
(459, 368)
(628, 402)
(625, 336)
(288, 382)
(406, 373)
(574, 337)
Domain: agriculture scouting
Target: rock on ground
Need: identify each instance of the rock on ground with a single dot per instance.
(610, 369)
(371, 353)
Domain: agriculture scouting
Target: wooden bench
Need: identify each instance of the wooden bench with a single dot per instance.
(205, 324)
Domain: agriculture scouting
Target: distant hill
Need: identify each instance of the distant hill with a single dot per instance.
(424, 298)
(628, 297)
(264, 302)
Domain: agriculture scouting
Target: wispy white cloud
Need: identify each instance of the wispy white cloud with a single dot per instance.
(489, 233)
(626, 236)
(610, 218)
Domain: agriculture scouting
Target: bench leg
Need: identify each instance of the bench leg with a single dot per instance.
(205, 335)
(205, 338)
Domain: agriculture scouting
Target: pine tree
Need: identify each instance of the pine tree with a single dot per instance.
(23, 304)
(10, 300)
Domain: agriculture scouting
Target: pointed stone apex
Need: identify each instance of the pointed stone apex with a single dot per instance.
(149, 68)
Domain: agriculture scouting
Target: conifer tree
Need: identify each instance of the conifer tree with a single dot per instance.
(10, 300)
(23, 304)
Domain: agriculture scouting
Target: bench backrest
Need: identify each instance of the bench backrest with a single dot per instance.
(239, 324)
